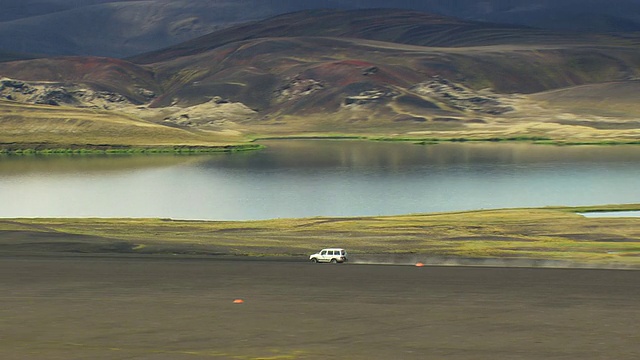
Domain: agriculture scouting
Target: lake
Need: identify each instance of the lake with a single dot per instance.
(296, 178)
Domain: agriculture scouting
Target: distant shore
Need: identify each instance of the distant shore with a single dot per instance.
(251, 145)
(52, 149)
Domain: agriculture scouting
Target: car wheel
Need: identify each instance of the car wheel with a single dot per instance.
(333, 261)
(314, 260)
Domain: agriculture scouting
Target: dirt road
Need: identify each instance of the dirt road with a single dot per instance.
(183, 308)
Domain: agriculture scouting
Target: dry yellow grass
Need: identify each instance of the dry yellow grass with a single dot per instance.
(562, 116)
(58, 125)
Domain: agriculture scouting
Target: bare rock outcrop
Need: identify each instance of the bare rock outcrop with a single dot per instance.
(296, 88)
(460, 97)
(374, 96)
(55, 94)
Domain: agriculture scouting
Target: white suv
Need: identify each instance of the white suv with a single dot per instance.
(333, 255)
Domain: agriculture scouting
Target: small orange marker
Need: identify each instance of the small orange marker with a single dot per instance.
(419, 264)
(238, 301)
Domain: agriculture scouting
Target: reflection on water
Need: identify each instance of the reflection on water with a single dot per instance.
(607, 214)
(398, 156)
(319, 178)
(18, 165)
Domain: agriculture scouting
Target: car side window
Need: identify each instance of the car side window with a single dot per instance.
(330, 252)
(323, 253)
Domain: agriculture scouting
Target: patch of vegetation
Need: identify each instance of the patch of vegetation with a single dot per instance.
(89, 149)
(604, 142)
(313, 137)
(434, 140)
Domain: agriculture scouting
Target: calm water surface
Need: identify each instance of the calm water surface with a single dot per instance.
(319, 178)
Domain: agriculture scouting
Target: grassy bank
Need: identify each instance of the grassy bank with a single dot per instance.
(545, 233)
(28, 129)
(528, 139)
(45, 148)
(539, 140)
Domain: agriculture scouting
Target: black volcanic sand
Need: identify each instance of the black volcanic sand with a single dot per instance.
(183, 308)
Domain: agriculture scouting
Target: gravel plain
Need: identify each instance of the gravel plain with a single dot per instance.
(101, 307)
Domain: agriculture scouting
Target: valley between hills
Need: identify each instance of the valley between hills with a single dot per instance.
(372, 74)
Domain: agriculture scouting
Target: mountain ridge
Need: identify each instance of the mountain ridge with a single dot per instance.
(119, 28)
(390, 25)
(252, 79)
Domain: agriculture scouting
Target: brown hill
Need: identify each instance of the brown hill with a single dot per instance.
(429, 74)
(318, 61)
(102, 74)
(254, 71)
(611, 99)
(10, 56)
(120, 28)
(114, 28)
(396, 26)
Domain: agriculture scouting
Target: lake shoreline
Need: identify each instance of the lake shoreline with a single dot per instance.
(26, 148)
(92, 149)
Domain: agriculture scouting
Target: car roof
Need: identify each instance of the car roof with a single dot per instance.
(332, 249)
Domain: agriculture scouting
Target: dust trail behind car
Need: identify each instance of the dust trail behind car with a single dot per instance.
(425, 260)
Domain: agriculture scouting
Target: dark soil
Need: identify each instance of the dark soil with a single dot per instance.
(172, 307)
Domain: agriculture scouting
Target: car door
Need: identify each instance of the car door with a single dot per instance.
(330, 255)
(324, 257)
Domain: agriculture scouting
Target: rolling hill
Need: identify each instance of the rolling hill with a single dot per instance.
(114, 28)
(41, 127)
(363, 72)
(121, 28)
(12, 56)
(395, 26)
